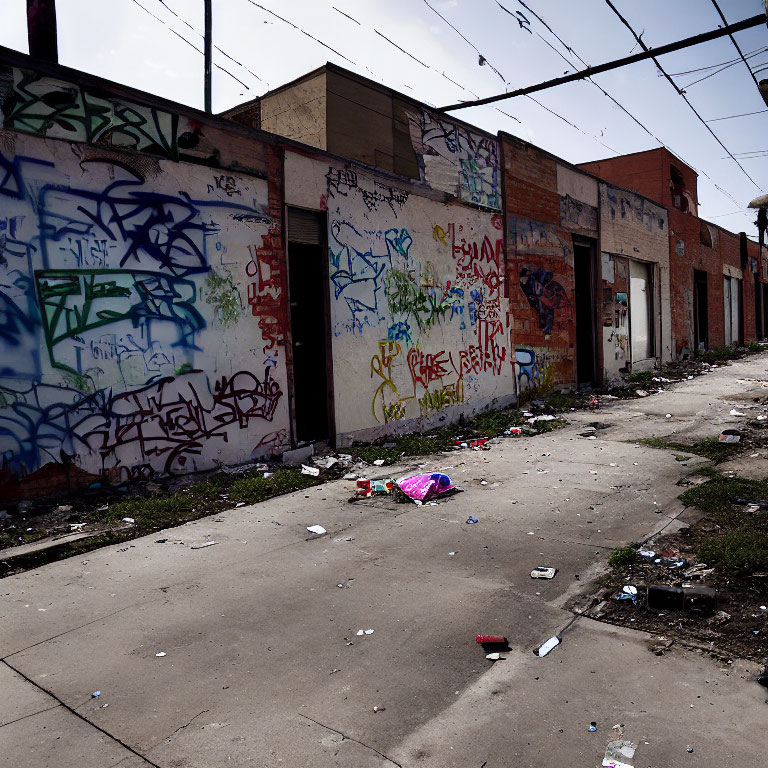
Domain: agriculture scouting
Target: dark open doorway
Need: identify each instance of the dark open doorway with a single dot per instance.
(308, 287)
(700, 311)
(584, 284)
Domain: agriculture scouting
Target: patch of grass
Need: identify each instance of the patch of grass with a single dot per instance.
(204, 498)
(644, 378)
(724, 499)
(492, 423)
(564, 401)
(743, 549)
(720, 354)
(623, 556)
(255, 488)
(709, 447)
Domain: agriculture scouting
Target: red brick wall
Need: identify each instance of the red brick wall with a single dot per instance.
(537, 243)
(642, 172)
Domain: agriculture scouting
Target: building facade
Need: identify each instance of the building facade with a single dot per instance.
(716, 281)
(180, 290)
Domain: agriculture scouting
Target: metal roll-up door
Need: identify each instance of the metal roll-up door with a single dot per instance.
(305, 226)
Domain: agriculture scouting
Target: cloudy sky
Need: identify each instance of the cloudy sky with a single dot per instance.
(406, 44)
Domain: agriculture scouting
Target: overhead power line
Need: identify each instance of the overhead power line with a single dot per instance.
(192, 45)
(743, 114)
(729, 31)
(482, 59)
(754, 21)
(572, 51)
(715, 66)
(735, 44)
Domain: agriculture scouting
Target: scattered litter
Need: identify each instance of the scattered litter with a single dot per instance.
(483, 482)
(628, 592)
(689, 749)
(546, 647)
(659, 645)
(592, 727)
(240, 504)
(203, 546)
(318, 529)
(618, 752)
(361, 632)
(334, 671)
(641, 393)
(543, 572)
(668, 416)
(379, 709)
(729, 436)
(73, 526)
(490, 639)
(160, 654)
(451, 554)
(267, 474)
(531, 533)
(340, 586)
(493, 656)
(305, 470)
(96, 694)
(423, 487)
(734, 412)
(543, 417)
(382, 487)
(471, 520)
(661, 596)
(128, 520)
(379, 462)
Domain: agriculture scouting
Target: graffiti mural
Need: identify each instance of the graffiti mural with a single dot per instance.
(126, 347)
(454, 159)
(57, 109)
(544, 294)
(419, 314)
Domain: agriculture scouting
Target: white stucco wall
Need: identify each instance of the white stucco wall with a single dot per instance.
(420, 325)
(131, 303)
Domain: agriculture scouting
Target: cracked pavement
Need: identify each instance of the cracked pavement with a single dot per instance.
(263, 663)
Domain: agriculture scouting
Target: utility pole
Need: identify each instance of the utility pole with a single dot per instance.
(41, 30)
(208, 46)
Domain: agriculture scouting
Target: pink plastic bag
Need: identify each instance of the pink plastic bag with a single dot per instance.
(423, 487)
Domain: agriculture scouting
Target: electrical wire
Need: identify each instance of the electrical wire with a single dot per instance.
(709, 66)
(733, 40)
(743, 114)
(303, 32)
(482, 59)
(535, 101)
(681, 93)
(584, 63)
(727, 66)
(197, 32)
(724, 192)
(192, 45)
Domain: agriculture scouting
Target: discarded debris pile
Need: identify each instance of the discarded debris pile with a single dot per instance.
(663, 589)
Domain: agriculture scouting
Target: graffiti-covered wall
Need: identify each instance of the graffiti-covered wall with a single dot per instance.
(632, 228)
(455, 159)
(133, 332)
(418, 314)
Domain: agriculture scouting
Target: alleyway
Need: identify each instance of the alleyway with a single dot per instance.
(263, 664)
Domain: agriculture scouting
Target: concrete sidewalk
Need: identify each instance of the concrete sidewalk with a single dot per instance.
(263, 663)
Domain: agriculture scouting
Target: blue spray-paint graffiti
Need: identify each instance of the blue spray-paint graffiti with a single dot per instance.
(544, 294)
